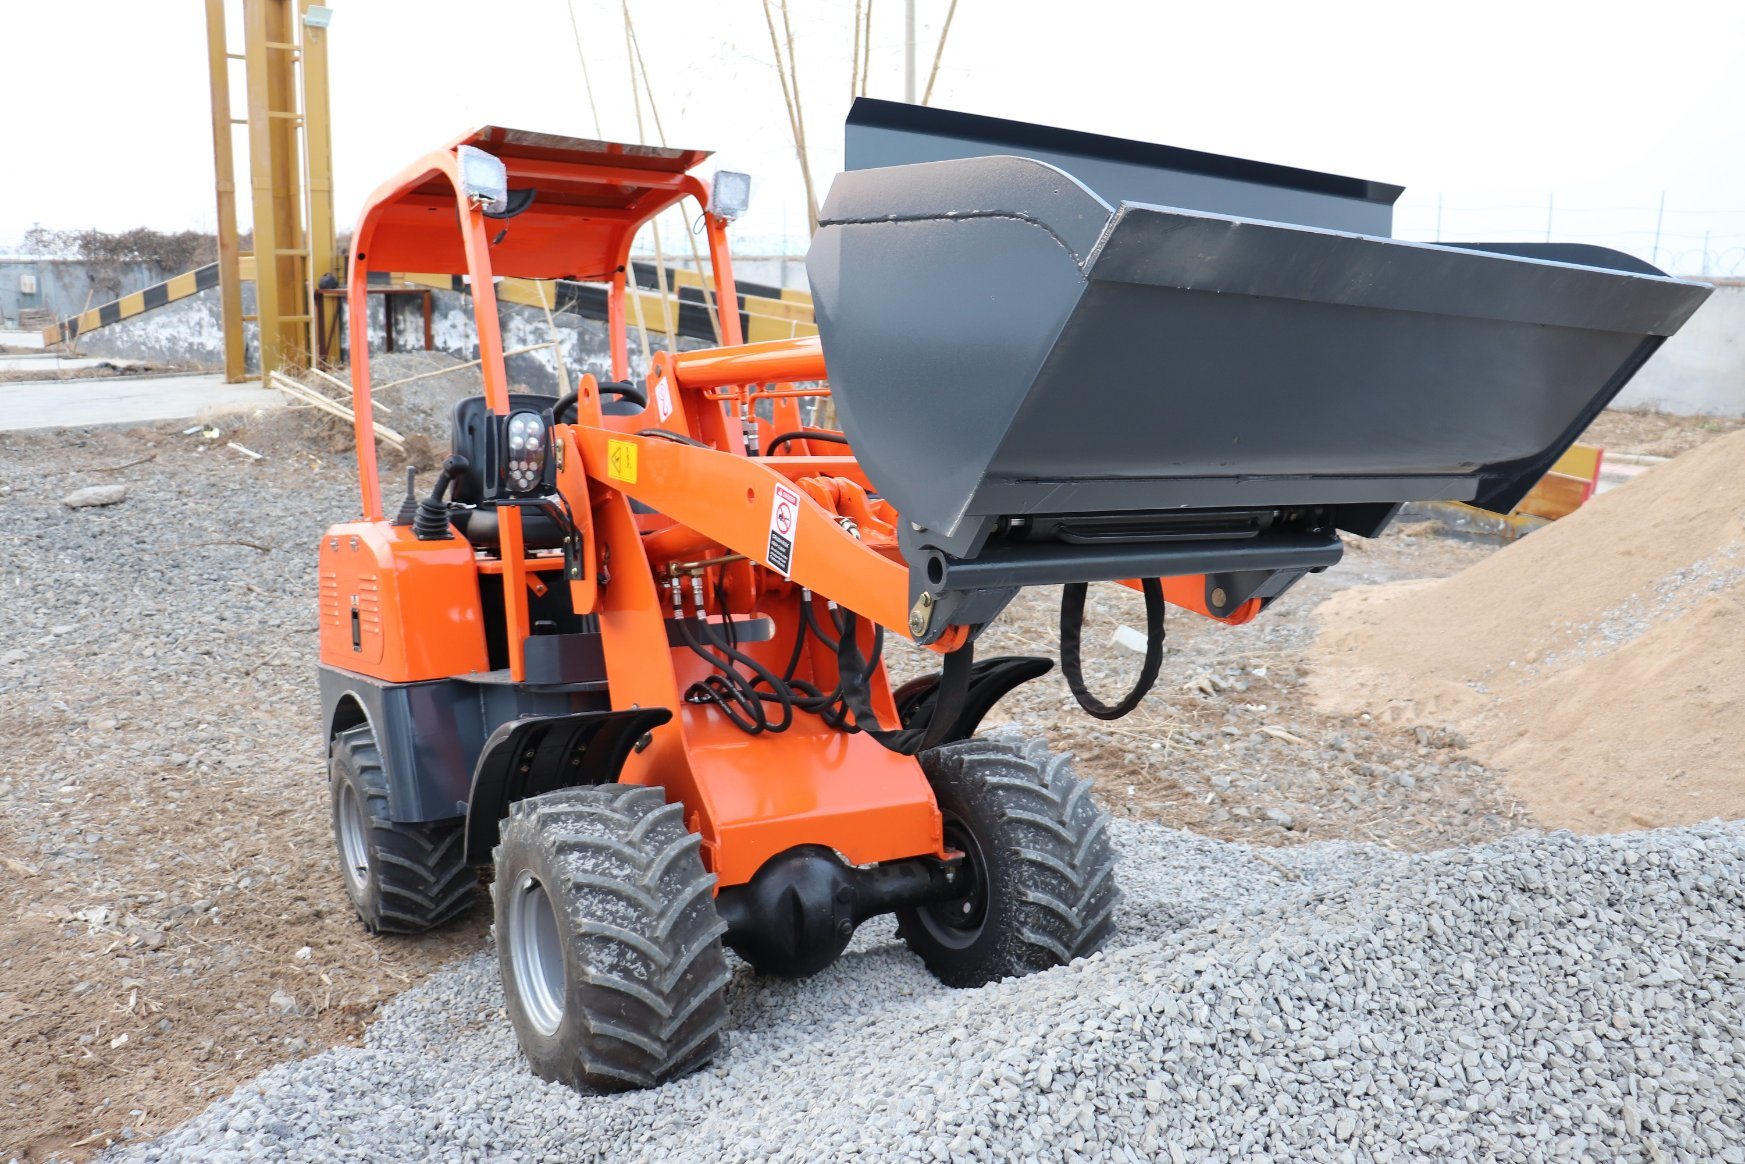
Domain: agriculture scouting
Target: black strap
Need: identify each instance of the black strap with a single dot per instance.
(1072, 621)
(948, 705)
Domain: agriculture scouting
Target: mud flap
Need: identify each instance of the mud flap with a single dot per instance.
(539, 754)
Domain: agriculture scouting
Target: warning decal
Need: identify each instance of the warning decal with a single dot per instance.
(621, 461)
(784, 519)
(663, 399)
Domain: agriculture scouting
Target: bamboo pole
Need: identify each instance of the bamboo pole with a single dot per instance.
(307, 395)
(854, 53)
(668, 315)
(791, 97)
(866, 49)
(939, 53)
(456, 367)
(634, 293)
(709, 298)
(563, 372)
(587, 85)
(346, 388)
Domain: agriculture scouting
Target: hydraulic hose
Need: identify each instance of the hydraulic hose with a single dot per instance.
(1072, 621)
(804, 434)
(623, 389)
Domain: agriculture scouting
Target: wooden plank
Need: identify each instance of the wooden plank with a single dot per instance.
(1556, 495)
(1580, 461)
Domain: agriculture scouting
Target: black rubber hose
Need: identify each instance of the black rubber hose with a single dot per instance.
(744, 692)
(805, 434)
(669, 435)
(623, 389)
(1072, 621)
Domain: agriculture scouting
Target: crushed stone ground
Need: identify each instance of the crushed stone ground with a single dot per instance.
(1541, 997)
(171, 920)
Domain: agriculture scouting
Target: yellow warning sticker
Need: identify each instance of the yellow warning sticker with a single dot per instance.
(621, 461)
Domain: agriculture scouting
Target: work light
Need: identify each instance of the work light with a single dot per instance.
(729, 194)
(483, 179)
(524, 462)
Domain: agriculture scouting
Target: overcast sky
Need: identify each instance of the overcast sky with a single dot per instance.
(1498, 107)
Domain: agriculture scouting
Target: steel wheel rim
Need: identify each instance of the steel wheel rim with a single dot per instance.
(536, 955)
(354, 841)
(959, 921)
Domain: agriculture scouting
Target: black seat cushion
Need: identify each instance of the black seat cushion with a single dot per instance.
(539, 531)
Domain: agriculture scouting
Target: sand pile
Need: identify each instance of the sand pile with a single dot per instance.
(1600, 662)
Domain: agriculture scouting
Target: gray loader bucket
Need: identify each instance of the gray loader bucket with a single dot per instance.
(1040, 380)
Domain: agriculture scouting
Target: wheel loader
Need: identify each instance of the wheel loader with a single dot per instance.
(623, 657)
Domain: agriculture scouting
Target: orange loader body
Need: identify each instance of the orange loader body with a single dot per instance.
(404, 611)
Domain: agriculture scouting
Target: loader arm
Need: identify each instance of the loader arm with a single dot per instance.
(733, 501)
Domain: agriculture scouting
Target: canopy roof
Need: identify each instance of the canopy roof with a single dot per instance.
(589, 199)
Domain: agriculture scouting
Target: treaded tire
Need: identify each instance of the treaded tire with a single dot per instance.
(641, 995)
(402, 878)
(1040, 887)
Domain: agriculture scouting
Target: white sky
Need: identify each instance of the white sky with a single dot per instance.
(1496, 106)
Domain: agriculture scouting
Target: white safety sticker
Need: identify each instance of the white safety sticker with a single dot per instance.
(663, 399)
(784, 521)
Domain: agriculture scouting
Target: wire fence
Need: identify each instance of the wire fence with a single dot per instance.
(1678, 239)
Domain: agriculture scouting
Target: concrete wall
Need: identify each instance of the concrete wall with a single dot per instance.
(188, 332)
(1701, 370)
(69, 286)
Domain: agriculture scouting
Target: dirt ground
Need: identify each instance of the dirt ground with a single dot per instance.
(1543, 653)
(104, 371)
(1658, 434)
(174, 920)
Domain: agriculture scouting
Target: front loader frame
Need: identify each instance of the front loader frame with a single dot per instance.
(670, 519)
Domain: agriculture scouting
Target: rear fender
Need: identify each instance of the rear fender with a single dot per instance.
(538, 754)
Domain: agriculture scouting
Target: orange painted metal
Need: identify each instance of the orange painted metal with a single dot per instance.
(731, 498)
(749, 797)
(726, 290)
(544, 564)
(788, 359)
(417, 603)
(1189, 592)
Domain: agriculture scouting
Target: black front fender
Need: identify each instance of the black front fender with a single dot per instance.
(989, 681)
(539, 754)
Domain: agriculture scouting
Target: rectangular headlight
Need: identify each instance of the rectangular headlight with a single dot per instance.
(729, 194)
(483, 178)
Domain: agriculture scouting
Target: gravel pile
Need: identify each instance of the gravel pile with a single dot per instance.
(171, 918)
(1543, 997)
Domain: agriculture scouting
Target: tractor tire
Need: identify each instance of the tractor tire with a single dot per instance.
(402, 878)
(1039, 889)
(607, 938)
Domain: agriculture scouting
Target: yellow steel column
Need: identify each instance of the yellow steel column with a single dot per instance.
(276, 179)
(224, 167)
(318, 149)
